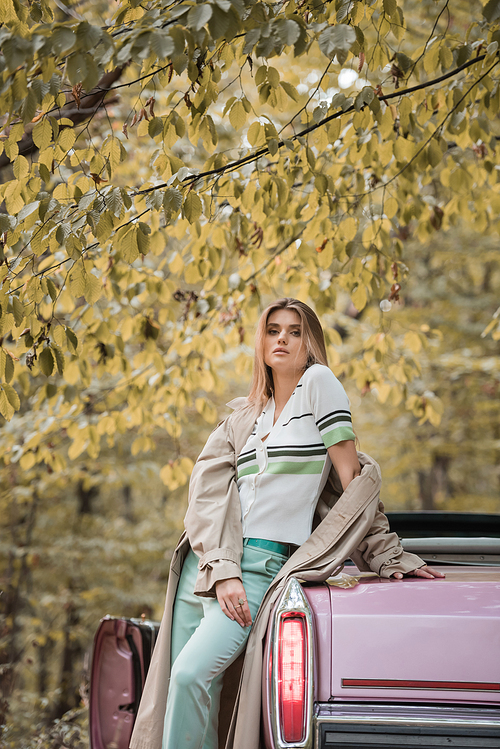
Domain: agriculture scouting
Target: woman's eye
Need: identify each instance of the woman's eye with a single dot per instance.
(296, 333)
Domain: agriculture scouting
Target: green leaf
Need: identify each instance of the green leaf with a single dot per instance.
(390, 7)
(155, 127)
(9, 368)
(434, 153)
(261, 75)
(172, 203)
(143, 238)
(6, 222)
(46, 362)
(491, 10)
(62, 40)
(286, 31)
(336, 39)
(114, 201)
(219, 22)
(162, 44)
(273, 146)
(290, 90)
(72, 339)
(199, 15)
(87, 35)
(192, 207)
(251, 39)
(403, 61)
(52, 289)
(29, 106)
(18, 310)
(28, 209)
(59, 357)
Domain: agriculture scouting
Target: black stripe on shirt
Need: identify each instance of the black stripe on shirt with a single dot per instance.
(296, 417)
(346, 415)
(311, 446)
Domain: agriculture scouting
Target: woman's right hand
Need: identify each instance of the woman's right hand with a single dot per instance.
(228, 593)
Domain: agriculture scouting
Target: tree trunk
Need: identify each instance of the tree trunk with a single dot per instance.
(128, 512)
(434, 482)
(69, 684)
(425, 491)
(85, 498)
(44, 654)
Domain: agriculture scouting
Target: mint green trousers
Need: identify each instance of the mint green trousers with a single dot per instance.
(204, 643)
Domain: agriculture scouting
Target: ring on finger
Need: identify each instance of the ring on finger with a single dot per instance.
(241, 601)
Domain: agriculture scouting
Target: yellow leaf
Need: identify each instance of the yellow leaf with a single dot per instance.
(403, 149)
(391, 207)
(192, 207)
(93, 288)
(21, 167)
(27, 461)
(348, 229)
(66, 139)
(237, 115)
(42, 134)
(255, 134)
(434, 153)
(359, 298)
(413, 341)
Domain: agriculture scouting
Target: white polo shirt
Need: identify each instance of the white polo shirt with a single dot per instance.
(280, 479)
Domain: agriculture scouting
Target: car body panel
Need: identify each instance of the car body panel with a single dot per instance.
(417, 630)
(396, 644)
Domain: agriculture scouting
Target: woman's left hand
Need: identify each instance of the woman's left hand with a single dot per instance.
(424, 571)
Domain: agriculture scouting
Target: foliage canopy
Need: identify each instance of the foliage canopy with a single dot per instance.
(168, 167)
(157, 189)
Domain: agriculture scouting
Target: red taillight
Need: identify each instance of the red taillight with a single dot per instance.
(292, 677)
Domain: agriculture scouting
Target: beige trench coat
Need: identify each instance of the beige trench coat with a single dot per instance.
(348, 524)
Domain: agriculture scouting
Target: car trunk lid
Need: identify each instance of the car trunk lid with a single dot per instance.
(415, 639)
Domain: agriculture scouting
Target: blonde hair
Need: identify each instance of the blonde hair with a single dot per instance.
(262, 387)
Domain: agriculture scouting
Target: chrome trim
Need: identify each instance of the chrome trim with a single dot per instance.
(292, 599)
(445, 545)
(416, 716)
(413, 688)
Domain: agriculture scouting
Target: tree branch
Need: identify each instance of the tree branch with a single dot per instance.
(192, 178)
(94, 100)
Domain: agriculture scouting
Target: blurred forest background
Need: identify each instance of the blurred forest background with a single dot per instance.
(144, 227)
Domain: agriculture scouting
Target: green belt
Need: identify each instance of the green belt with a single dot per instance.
(262, 543)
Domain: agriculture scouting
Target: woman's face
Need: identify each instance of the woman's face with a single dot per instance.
(284, 347)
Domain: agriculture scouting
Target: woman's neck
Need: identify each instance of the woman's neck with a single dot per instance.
(284, 385)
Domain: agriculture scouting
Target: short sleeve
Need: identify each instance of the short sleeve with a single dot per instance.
(329, 405)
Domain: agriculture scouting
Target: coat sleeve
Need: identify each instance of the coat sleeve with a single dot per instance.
(213, 518)
(381, 551)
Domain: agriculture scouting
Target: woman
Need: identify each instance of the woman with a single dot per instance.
(263, 474)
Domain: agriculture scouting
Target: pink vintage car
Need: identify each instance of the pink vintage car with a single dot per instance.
(361, 661)
(358, 661)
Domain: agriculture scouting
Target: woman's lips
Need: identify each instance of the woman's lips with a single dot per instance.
(280, 351)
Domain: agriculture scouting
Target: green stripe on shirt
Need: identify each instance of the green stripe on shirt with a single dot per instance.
(248, 471)
(338, 435)
(307, 468)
